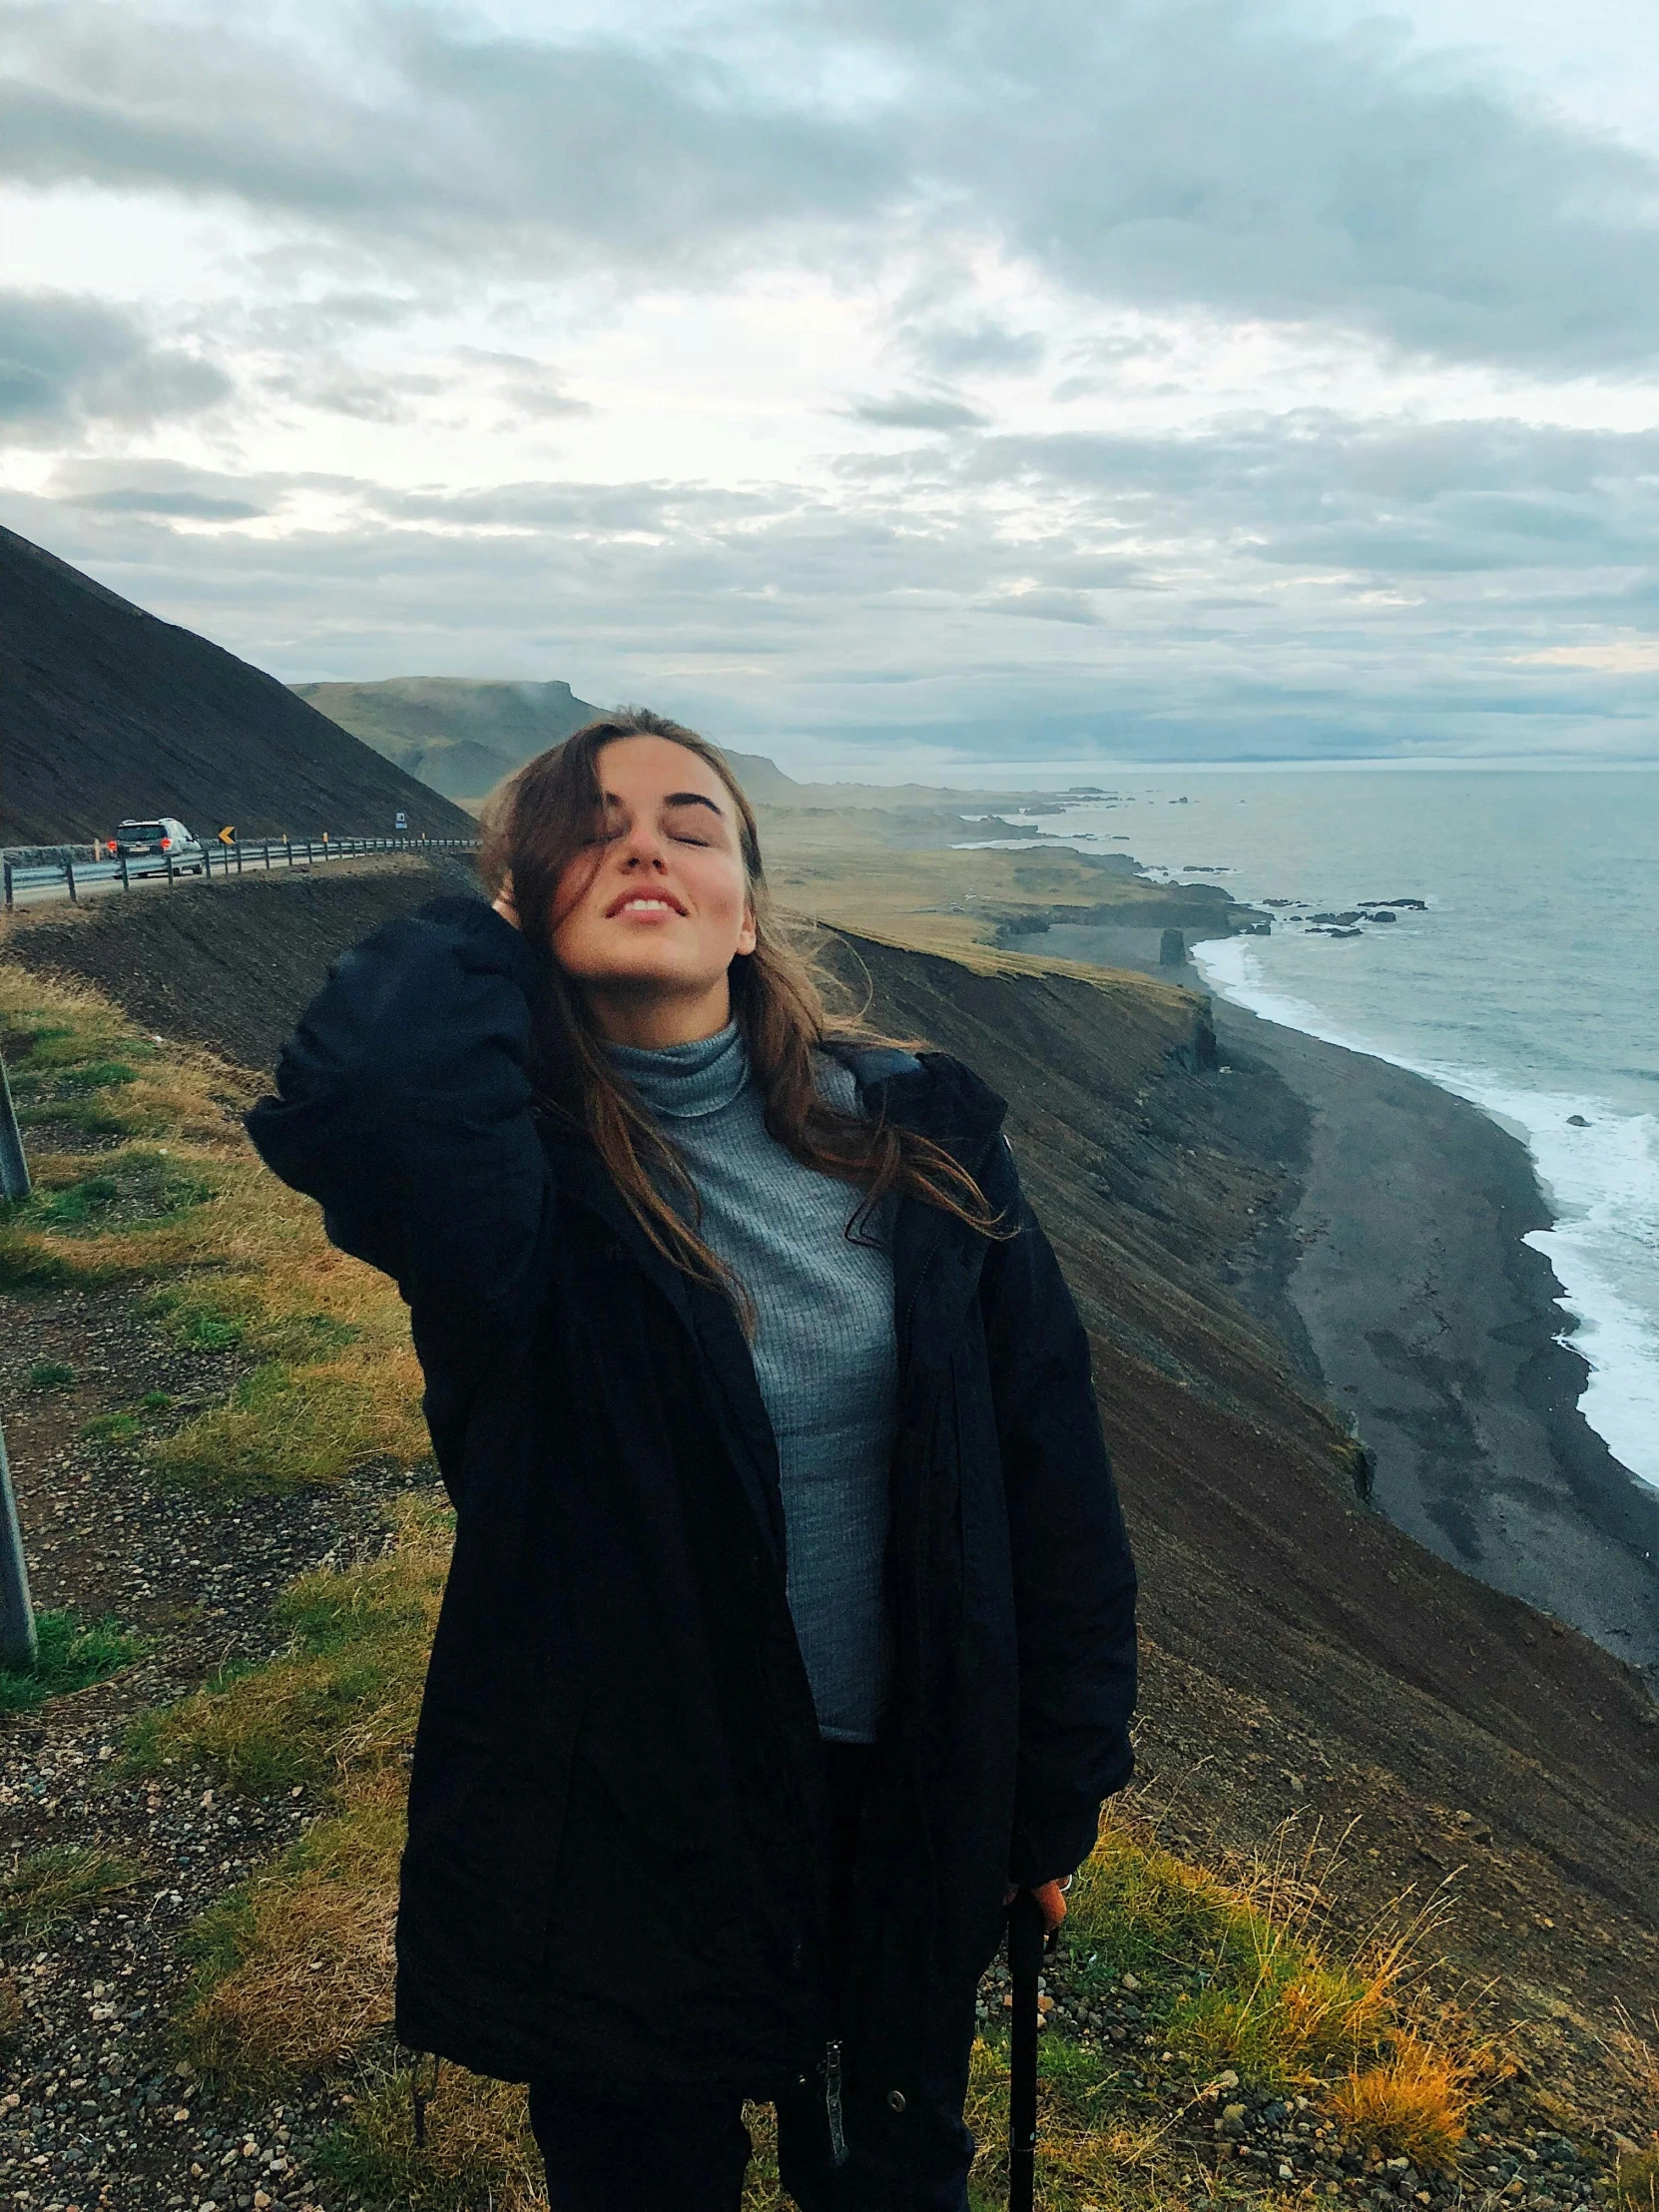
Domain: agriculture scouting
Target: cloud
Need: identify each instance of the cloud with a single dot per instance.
(533, 390)
(1615, 656)
(917, 411)
(164, 491)
(1204, 154)
(987, 346)
(462, 142)
(1039, 604)
(68, 362)
(1266, 587)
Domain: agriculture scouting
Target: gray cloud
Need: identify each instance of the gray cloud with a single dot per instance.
(983, 346)
(69, 362)
(501, 149)
(1199, 154)
(166, 491)
(1274, 587)
(917, 410)
(532, 390)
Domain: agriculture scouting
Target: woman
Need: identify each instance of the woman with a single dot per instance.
(789, 1625)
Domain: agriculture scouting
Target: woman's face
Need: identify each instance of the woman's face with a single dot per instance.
(649, 917)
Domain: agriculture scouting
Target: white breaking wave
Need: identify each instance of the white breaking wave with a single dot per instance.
(1602, 1185)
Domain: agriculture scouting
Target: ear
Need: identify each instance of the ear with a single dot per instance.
(747, 935)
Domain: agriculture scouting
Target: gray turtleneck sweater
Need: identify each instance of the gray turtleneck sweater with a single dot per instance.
(824, 1349)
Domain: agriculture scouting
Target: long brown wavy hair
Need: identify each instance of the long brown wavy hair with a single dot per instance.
(538, 822)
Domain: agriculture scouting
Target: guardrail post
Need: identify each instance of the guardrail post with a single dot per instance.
(16, 1614)
(13, 1167)
(6, 871)
(125, 882)
(167, 858)
(69, 879)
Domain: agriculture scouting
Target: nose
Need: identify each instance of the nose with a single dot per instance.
(642, 848)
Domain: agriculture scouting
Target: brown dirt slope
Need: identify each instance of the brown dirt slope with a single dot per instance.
(227, 965)
(110, 713)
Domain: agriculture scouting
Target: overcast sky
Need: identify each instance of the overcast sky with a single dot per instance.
(893, 384)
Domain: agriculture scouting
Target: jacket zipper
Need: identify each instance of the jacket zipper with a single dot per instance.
(833, 2102)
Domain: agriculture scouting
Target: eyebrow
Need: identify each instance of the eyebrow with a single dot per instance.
(694, 799)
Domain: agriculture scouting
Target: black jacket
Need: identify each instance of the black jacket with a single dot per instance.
(616, 1819)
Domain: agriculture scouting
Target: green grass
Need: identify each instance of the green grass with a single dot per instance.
(131, 1187)
(71, 1655)
(51, 1374)
(1227, 1974)
(51, 1887)
(90, 1119)
(282, 1428)
(195, 1321)
(346, 1690)
(112, 1429)
(125, 1426)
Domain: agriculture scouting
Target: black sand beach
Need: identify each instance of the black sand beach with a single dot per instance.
(1399, 1274)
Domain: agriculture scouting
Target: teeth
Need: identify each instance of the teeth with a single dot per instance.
(648, 907)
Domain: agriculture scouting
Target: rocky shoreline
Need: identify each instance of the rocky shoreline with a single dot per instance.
(1396, 1273)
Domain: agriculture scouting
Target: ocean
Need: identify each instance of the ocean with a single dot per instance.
(1528, 984)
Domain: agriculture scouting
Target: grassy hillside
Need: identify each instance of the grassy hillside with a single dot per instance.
(457, 735)
(110, 713)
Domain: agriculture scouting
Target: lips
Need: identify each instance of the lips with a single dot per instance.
(644, 902)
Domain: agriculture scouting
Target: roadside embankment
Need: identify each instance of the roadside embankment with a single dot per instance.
(227, 965)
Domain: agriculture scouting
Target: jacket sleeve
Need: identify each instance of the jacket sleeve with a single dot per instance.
(403, 1104)
(1074, 1578)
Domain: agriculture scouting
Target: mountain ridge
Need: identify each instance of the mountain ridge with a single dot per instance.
(111, 711)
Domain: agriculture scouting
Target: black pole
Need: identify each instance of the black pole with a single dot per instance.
(1025, 1957)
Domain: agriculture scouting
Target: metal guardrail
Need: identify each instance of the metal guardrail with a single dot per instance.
(71, 876)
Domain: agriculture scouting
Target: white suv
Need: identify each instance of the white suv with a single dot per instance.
(155, 843)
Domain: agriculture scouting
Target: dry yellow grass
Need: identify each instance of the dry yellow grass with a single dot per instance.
(1414, 2103)
(297, 1968)
(479, 2149)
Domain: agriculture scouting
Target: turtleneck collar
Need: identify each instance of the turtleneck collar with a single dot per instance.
(685, 1082)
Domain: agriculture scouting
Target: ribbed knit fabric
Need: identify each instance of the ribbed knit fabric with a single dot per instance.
(824, 1349)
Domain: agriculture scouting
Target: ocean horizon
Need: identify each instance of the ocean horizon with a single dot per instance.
(1520, 985)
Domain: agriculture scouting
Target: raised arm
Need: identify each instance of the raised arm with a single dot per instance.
(403, 1104)
(1074, 1579)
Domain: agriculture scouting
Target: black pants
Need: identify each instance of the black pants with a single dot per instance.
(658, 2148)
